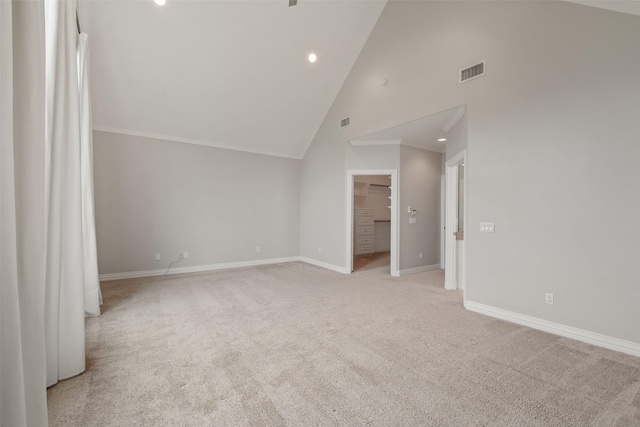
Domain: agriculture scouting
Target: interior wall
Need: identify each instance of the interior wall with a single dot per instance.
(456, 139)
(372, 156)
(375, 179)
(420, 189)
(323, 206)
(552, 144)
(377, 195)
(157, 196)
(378, 200)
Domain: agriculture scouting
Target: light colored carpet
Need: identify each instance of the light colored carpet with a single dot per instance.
(293, 344)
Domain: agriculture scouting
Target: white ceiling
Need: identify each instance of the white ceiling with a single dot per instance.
(230, 74)
(422, 133)
(233, 73)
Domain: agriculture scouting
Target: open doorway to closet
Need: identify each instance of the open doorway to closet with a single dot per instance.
(372, 223)
(372, 242)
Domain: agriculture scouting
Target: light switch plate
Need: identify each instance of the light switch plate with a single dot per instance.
(487, 227)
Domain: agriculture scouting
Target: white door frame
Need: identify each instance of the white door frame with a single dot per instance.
(443, 191)
(451, 281)
(395, 235)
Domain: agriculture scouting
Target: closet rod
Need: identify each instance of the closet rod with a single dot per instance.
(379, 185)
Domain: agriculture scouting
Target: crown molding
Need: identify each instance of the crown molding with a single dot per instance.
(173, 138)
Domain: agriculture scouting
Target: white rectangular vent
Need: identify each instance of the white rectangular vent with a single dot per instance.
(472, 72)
(345, 122)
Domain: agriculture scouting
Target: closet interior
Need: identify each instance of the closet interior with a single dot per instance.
(372, 214)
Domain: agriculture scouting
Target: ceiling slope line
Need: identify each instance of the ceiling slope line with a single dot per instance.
(343, 80)
(454, 119)
(190, 141)
(631, 7)
(375, 142)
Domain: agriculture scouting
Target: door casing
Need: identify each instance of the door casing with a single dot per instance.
(451, 278)
(395, 235)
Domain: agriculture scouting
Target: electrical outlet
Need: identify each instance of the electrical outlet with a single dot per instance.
(185, 254)
(257, 248)
(420, 255)
(319, 250)
(157, 257)
(548, 298)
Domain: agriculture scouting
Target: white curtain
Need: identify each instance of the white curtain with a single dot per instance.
(92, 294)
(44, 218)
(71, 248)
(22, 227)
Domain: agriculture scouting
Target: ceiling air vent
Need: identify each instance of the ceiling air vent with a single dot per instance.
(472, 72)
(345, 122)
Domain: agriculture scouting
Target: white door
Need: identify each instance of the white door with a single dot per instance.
(455, 244)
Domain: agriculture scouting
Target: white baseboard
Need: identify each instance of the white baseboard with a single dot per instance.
(594, 338)
(194, 269)
(328, 266)
(420, 269)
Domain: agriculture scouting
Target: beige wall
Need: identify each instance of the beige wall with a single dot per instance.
(155, 196)
(456, 140)
(552, 139)
(420, 189)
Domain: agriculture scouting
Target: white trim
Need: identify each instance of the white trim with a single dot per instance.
(419, 269)
(421, 146)
(190, 141)
(450, 248)
(395, 231)
(194, 269)
(443, 217)
(623, 346)
(328, 266)
(359, 142)
(451, 281)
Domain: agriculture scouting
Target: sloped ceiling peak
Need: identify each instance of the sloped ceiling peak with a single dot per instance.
(422, 133)
(230, 74)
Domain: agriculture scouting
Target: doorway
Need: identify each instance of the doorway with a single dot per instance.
(360, 214)
(455, 223)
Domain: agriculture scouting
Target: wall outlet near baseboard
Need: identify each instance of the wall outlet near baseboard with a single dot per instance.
(548, 298)
(157, 257)
(257, 249)
(420, 255)
(319, 250)
(185, 254)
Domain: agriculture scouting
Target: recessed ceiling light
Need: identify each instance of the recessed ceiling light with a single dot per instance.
(442, 139)
(160, 2)
(313, 57)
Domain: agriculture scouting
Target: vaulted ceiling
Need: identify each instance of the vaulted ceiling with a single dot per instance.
(222, 73)
(425, 133)
(231, 74)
